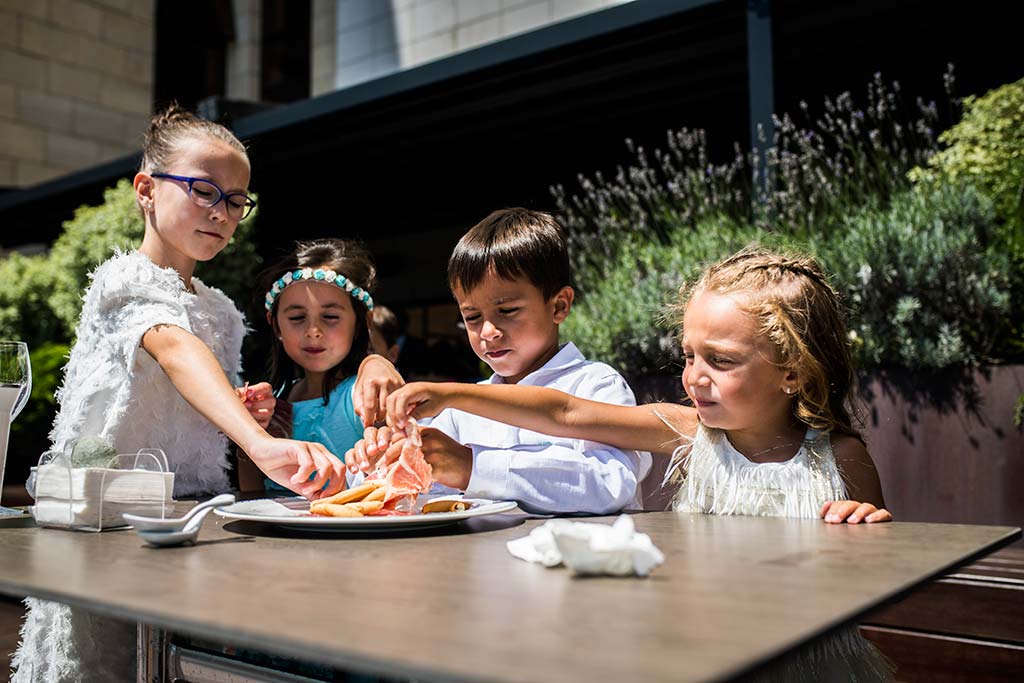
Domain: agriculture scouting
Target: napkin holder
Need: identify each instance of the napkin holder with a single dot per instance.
(94, 498)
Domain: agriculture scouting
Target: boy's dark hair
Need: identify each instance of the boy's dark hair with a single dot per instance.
(346, 258)
(514, 243)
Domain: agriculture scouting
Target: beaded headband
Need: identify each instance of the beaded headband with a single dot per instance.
(328, 277)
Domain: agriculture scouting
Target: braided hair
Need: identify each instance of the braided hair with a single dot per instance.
(800, 313)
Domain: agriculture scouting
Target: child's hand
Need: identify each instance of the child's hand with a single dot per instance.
(376, 380)
(291, 463)
(853, 512)
(418, 399)
(363, 456)
(452, 463)
(259, 401)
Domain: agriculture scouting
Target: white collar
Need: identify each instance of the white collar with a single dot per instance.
(568, 356)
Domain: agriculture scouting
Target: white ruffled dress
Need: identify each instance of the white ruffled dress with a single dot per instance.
(722, 481)
(115, 390)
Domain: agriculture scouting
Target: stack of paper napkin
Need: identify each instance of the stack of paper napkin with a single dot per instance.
(96, 497)
(589, 548)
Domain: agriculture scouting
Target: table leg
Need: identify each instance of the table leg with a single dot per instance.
(151, 653)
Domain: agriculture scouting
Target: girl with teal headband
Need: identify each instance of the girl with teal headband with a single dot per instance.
(317, 300)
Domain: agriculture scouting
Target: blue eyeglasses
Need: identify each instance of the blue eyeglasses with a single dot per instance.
(206, 193)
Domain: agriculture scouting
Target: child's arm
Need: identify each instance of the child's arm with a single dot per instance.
(376, 379)
(201, 381)
(862, 486)
(548, 411)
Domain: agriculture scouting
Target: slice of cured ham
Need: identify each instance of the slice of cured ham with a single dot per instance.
(406, 477)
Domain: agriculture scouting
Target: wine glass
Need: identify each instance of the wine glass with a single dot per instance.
(15, 388)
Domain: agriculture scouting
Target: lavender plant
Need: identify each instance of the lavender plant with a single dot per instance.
(927, 281)
(812, 172)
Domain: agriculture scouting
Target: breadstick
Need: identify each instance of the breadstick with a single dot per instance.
(377, 495)
(332, 510)
(366, 507)
(349, 495)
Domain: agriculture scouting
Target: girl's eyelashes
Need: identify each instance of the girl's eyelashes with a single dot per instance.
(471, 318)
(507, 311)
(716, 361)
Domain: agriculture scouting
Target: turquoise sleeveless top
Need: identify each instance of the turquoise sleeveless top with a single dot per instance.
(334, 425)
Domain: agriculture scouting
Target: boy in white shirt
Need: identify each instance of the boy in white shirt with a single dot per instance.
(510, 275)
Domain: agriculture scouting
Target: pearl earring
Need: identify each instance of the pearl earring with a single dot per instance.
(788, 390)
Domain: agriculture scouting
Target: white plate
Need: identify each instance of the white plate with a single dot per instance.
(294, 513)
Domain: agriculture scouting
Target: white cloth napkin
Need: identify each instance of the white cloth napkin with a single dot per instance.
(589, 548)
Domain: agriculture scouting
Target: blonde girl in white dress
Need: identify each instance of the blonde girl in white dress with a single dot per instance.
(155, 358)
(770, 376)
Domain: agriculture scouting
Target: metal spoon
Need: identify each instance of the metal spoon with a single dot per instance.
(176, 524)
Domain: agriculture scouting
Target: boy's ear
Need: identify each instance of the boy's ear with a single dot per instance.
(562, 301)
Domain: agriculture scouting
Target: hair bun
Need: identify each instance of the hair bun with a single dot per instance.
(167, 128)
(171, 117)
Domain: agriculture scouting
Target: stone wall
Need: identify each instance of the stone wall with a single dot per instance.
(374, 38)
(76, 81)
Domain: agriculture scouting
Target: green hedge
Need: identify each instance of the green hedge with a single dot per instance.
(923, 240)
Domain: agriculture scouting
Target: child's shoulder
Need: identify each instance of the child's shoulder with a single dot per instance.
(215, 297)
(577, 363)
(587, 379)
(849, 449)
(127, 269)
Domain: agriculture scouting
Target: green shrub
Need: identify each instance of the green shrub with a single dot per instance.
(87, 240)
(622, 314)
(927, 280)
(986, 149)
(25, 312)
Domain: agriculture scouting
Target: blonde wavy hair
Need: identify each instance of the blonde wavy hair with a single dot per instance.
(800, 313)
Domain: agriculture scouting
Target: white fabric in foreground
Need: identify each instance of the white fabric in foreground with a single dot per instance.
(589, 548)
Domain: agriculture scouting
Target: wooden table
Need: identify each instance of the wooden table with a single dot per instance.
(453, 605)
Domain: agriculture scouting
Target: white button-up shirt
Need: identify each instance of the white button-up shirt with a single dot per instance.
(546, 473)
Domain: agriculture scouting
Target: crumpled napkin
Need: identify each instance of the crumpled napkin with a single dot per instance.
(589, 548)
